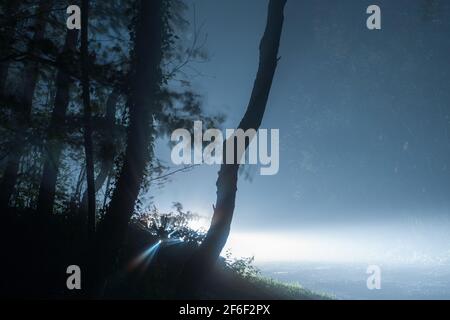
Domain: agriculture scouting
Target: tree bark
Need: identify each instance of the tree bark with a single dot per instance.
(22, 116)
(88, 145)
(54, 145)
(145, 84)
(208, 252)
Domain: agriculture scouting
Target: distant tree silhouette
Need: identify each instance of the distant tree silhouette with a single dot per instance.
(9, 10)
(53, 148)
(22, 115)
(108, 149)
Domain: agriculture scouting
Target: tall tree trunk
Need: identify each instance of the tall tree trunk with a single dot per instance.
(88, 146)
(144, 87)
(107, 158)
(54, 145)
(23, 114)
(8, 29)
(206, 255)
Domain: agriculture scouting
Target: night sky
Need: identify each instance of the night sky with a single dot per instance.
(364, 120)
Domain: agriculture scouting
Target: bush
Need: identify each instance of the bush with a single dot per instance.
(242, 266)
(172, 225)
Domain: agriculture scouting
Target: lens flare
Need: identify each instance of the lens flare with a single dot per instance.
(145, 257)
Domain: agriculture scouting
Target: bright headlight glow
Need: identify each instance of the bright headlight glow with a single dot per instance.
(291, 247)
(370, 245)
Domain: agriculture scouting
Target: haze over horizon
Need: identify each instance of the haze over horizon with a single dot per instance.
(363, 116)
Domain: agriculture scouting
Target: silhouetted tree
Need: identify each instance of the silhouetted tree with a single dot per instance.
(206, 255)
(53, 149)
(75, 102)
(22, 115)
(88, 145)
(107, 148)
(145, 82)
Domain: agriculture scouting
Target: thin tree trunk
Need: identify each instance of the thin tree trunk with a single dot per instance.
(207, 254)
(22, 117)
(144, 88)
(77, 194)
(105, 197)
(54, 145)
(107, 161)
(88, 146)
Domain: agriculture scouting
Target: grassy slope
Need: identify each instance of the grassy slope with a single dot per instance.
(229, 285)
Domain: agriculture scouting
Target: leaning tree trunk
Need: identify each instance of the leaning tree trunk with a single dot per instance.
(144, 88)
(88, 146)
(204, 259)
(54, 145)
(23, 114)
